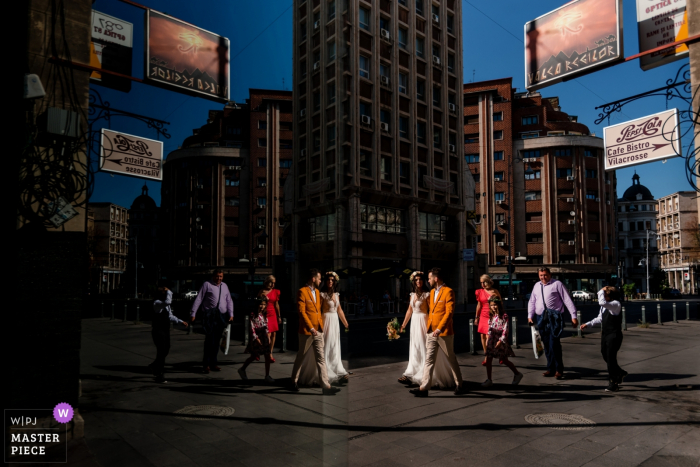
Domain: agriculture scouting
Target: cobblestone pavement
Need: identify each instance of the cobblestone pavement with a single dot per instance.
(653, 420)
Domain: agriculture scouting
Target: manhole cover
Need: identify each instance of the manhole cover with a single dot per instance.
(560, 421)
(204, 412)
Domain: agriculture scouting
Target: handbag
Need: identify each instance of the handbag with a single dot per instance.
(537, 346)
(552, 321)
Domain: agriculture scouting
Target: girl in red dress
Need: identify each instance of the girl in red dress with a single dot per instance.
(482, 309)
(273, 310)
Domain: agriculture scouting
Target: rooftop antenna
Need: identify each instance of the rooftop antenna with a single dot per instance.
(473, 75)
(283, 87)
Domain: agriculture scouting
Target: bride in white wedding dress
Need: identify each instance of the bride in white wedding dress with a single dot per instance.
(418, 311)
(332, 311)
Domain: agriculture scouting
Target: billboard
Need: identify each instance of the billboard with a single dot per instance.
(131, 155)
(577, 38)
(186, 58)
(660, 23)
(110, 49)
(643, 140)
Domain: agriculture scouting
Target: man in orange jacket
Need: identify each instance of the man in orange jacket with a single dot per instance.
(311, 331)
(440, 333)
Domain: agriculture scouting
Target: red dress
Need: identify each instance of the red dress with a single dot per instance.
(483, 297)
(273, 297)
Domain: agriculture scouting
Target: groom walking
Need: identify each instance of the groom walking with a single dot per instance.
(311, 331)
(440, 333)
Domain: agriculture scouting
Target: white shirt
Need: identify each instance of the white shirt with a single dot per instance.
(613, 307)
(313, 292)
(437, 291)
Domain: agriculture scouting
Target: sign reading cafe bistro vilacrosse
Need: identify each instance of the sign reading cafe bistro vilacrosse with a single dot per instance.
(131, 155)
(576, 38)
(646, 139)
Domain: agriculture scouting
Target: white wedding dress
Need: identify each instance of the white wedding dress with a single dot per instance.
(308, 375)
(442, 375)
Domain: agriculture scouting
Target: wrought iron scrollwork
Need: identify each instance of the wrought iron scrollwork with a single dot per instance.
(103, 110)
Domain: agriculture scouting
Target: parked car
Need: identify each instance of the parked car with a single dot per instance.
(191, 295)
(675, 293)
(582, 295)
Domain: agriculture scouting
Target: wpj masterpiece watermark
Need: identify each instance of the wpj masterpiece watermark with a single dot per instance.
(37, 435)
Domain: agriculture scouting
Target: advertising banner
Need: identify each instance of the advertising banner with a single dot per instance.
(186, 58)
(111, 50)
(131, 155)
(658, 23)
(580, 37)
(643, 140)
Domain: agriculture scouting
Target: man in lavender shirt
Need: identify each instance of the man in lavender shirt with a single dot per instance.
(217, 309)
(554, 299)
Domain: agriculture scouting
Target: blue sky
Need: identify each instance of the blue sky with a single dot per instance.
(493, 48)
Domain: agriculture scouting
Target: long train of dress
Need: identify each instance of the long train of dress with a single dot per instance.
(442, 374)
(308, 375)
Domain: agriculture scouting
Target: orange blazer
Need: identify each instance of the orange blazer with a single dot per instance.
(441, 311)
(310, 315)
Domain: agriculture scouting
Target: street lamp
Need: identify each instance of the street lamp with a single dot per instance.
(646, 261)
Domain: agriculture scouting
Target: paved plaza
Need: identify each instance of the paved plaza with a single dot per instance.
(652, 421)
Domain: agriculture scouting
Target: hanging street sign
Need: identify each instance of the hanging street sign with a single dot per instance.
(643, 140)
(661, 23)
(111, 50)
(131, 155)
(577, 38)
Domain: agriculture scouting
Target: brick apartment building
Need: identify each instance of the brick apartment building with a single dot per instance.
(109, 245)
(378, 141)
(222, 192)
(541, 189)
(679, 248)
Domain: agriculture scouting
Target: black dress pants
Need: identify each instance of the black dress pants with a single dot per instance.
(161, 338)
(610, 344)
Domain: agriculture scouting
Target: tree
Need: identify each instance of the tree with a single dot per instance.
(628, 289)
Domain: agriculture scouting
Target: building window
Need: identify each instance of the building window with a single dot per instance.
(262, 182)
(471, 138)
(384, 24)
(317, 141)
(530, 135)
(286, 144)
(331, 10)
(434, 227)
(533, 195)
(330, 135)
(498, 176)
(498, 155)
(562, 152)
(262, 142)
(436, 51)
(285, 163)
(471, 158)
(364, 67)
(365, 163)
(322, 228)
(262, 125)
(420, 132)
(381, 219)
(405, 173)
(450, 24)
(531, 154)
(563, 173)
(590, 194)
(331, 51)
(302, 31)
(403, 127)
(529, 120)
(477, 179)
(286, 126)
(231, 181)
(437, 137)
(364, 19)
(384, 70)
(317, 101)
(420, 47)
(436, 96)
(498, 134)
(419, 7)
(385, 168)
(498, 116)
(262, 202)
(403, 38)
(420, 89)
(365, 108)
(535, 175)
(589, 153)
(590, 173)
(231, 201)
(403, 83)
(262, 162)
(471, 119)
(499, 196)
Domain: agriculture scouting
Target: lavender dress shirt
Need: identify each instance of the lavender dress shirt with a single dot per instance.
(208, 297)
(556, 297)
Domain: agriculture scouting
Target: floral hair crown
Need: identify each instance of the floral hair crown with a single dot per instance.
(335, 276)
(416, 273)
(494, 299)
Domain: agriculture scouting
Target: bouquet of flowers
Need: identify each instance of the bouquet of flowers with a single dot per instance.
(393, 329)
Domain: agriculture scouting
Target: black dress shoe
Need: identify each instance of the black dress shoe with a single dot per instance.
(418, 393)
(205, 370)
(294, 387)
(459, 390)
(330, 391)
